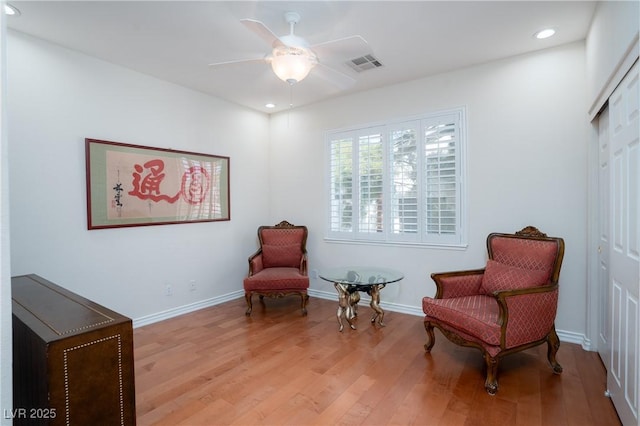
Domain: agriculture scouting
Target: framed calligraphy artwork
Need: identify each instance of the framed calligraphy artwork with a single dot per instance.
(131, 185)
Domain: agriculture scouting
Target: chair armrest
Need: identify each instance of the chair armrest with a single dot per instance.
(303, 263)
(458, 283)
(526, 315)
(255, 262)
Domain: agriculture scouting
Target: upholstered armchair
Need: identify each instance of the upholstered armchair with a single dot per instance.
(279, 267)
(506, 307)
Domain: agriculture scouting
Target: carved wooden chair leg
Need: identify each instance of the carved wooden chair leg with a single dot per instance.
(247, 297)
(553, 344)
(491, 382)
(305, 299)
(431, 337)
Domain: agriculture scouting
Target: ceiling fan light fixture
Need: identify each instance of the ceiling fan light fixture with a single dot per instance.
(292, 64)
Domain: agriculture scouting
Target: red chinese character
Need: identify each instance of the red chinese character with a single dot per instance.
(148, 188)
(195, 185)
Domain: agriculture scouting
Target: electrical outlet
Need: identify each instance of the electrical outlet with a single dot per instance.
(192, 285)
(168, 290)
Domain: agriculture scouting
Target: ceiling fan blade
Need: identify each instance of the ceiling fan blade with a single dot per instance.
(239, 61)
(333, 76)
(262, 31)
(343, 48)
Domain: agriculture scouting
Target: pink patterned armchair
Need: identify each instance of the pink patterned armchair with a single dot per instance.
(506, 307)
(279, 267)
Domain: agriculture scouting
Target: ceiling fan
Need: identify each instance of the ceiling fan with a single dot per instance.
(292, 58)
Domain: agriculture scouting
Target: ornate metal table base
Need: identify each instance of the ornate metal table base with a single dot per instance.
(349, 281)
(348, 298)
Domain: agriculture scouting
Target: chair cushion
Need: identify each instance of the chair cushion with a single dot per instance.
(498, 276)
(476, 315)
(288, 256)
(525, 253)
(277, 279)
(282, 236)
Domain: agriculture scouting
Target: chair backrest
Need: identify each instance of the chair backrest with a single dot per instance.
(283, 245)
(528, 249)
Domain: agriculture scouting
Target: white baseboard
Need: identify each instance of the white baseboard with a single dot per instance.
(185, 309)
(564, 336)
(393, 307)
(577, 338)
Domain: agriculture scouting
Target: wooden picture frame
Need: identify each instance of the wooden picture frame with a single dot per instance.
(133, 185)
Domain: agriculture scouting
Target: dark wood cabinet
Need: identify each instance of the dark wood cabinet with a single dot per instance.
(72, 358)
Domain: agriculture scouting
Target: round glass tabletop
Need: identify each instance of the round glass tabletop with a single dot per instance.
(360, 275)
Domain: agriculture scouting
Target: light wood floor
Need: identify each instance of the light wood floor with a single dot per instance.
(218, 367)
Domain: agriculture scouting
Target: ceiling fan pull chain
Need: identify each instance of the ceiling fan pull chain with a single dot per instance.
(290, 95)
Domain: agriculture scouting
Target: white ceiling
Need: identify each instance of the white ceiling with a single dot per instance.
(176, 40)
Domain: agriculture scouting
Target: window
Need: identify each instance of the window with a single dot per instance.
(400, 182)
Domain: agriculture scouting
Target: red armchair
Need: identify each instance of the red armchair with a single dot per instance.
(506, 307)
(279, 267)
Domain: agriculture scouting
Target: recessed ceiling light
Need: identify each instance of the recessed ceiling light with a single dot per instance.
(270, 105)
(11, 10)
(546, 33)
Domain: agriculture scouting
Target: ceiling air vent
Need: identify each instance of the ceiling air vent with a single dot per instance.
(363, 63)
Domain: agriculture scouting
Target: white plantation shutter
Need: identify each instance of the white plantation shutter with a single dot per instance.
(341, 192)
(400, 182)
(442, 177)
(404, 187)
(370, 159)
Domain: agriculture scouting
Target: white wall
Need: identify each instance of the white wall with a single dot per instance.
(612, 47)
(527, 165)
(56, 98)
(6, 390)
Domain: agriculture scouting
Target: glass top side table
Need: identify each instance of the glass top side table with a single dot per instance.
(349, 281)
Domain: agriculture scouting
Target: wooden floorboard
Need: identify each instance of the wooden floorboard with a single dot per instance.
(218, 367)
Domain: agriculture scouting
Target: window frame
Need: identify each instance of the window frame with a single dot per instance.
(421, 238)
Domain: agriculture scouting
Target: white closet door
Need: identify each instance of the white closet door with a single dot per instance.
(623, 374)
(604, 289)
